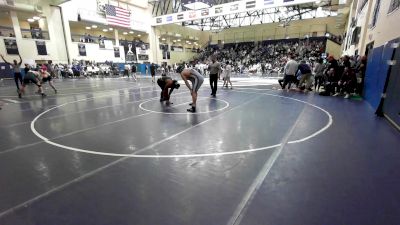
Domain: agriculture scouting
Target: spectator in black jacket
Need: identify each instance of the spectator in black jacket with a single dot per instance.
(305, 71)
(153, 72)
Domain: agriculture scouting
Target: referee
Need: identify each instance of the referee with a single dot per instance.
(214, 69)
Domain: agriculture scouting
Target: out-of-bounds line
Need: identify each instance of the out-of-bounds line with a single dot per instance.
(241, 209)
(71, 133)
(29, 109)
(330, 122)
(76, 93)
(93, 172)
(11, 100)
(77, 131)
(88, 110)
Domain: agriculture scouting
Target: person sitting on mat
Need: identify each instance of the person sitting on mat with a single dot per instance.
(166, 83)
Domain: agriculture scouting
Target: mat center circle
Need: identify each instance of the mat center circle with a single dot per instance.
(204, 105)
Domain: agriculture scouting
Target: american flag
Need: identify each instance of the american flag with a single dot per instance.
(117, 16)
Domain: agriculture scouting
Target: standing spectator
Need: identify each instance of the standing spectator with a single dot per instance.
(361, 68)
(133, 69)
(214, 69)
(305, 70)
(50, 68)
(290, 72)
(227, 78)
(127, 70)
(319, 74)
(163, 71)
(27, 68)
(262, 69)
(153, 72)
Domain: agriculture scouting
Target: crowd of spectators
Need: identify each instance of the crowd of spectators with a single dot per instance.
(302, 63)
(263, 56)
(336, 77)
(81, 68)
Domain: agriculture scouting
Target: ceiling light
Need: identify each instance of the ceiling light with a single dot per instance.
(178, 40)
(131, 32)
(94, 26)
(174, 41)
(30, 20)
(163, 39)
(139, 35)
(125, 33)
(36, 18)
(88, 28)
(105, 30)
(110, 28)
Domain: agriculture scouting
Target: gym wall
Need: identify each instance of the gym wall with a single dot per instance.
(296, 29)
(55, 46)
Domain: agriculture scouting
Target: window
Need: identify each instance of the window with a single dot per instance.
(394, 4)
(33, 26)
(376, 13)
(6, 26)
(356, 36)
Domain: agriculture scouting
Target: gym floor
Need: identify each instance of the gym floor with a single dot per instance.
(106, 151)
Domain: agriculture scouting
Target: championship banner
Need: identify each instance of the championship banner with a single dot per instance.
(82, 49)
(116, 52)
(101, 44)
(41, 47)
(11, 46)
(130, 51)
(142, 52)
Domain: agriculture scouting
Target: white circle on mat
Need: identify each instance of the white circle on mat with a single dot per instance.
(48, 141)
(186, 103)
